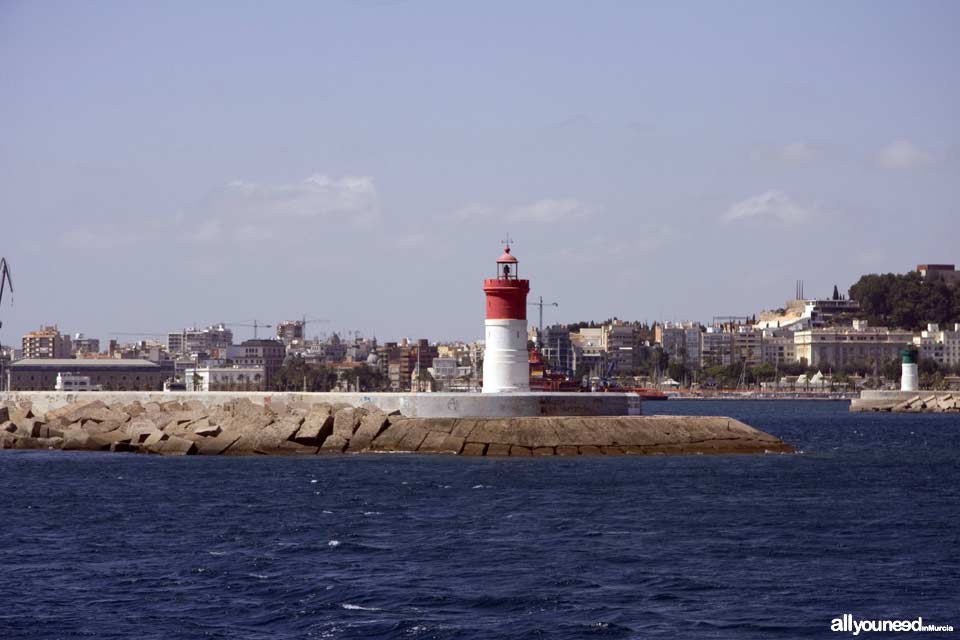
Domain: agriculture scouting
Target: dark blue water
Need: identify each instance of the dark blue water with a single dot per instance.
(865, 521)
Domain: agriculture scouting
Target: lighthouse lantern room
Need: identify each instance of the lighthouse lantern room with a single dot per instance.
(506, 364)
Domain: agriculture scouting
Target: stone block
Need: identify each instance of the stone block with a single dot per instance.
(218, 444)
(134, 409)
(518, 451)
(317, 427)
(248, 424)
(208, 430)
(287, 426)
(175, 446)
(567, 450)
(154, 439)
(496, 449)
(334, 444)
(93, 427)
(46, 431)
(590, 450)
(107, 439)
(9, 427)
(4, 414)
(413, 439)
(345, 422)
(26, 442)
(28, 427)
(140, 429)
(389, 439)
(79, 441)
(371, 426)
(287, 448)
(543, 451)
(473, 449)
(7, 440)
(439, 442)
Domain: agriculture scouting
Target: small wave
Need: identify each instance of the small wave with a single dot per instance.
(217, 553)
(333, 543)
(372, 513)
(356, 607)
(325, 511)
(481, 486)
(258, 575)
(313, 482)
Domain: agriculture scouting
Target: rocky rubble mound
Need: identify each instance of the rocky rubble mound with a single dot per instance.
(935, 403)
(241, 427)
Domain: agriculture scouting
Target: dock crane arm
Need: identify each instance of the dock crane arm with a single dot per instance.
(5, 279)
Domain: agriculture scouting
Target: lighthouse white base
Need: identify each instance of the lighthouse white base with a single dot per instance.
(506, 363)
(909, 380)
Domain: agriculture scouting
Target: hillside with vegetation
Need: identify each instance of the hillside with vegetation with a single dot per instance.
(906, 301)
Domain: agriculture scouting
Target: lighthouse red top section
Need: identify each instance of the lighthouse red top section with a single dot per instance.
(506, 294)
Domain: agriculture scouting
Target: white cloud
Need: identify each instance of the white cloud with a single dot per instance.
(351, 199)
(772, 205)
(798, 152)
(545, 210)
(98, 237)
(902, 154)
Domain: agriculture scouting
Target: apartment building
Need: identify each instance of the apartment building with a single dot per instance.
(940, 345)
(46, 343)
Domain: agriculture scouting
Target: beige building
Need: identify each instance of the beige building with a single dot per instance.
(857, 345)
(680, 340)
(778, 348)
(716, 348)
(617, 341)
(943, 346)
(747, 346)
(46, 343)
(264, 354)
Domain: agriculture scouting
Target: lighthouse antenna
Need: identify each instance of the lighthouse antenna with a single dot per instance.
(507, 241)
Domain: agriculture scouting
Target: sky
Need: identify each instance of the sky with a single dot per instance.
(179, 163)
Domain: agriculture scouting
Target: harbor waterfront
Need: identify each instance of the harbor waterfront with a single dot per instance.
(863, 521)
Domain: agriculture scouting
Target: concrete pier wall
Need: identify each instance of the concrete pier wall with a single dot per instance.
(413, 405)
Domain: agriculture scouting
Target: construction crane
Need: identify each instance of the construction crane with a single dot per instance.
(256, 325)
(307, 321)
(141, 333)
(542, 304)
(5, 279)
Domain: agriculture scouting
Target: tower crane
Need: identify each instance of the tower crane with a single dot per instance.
(305, 321)
(256, 325)
(542, 304)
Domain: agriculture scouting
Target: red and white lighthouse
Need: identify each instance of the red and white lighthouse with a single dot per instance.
(506, 365)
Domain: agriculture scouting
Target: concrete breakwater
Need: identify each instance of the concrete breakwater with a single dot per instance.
(240, 427)
(414, 405)
(907, 402)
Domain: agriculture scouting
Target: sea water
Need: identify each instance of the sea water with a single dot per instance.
(864, 521)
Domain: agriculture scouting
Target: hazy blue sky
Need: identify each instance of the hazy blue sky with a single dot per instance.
(169, 163)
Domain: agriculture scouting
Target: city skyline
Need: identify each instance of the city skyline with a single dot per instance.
(173, 165)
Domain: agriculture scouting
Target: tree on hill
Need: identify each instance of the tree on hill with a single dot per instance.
(906, 300)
